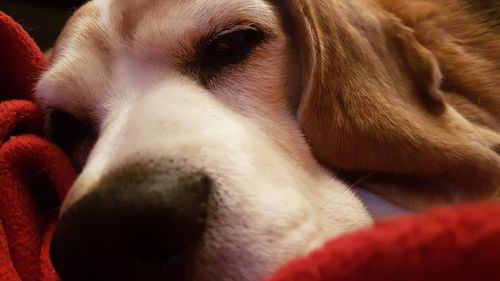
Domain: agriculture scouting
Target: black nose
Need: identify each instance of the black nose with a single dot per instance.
(133, 227)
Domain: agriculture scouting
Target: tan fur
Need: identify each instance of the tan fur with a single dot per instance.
(407, 88)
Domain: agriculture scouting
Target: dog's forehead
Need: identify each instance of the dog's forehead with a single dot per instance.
(133, 19)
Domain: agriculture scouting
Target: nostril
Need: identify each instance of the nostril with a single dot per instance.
(133, 226)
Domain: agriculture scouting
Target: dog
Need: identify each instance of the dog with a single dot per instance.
(217, 140)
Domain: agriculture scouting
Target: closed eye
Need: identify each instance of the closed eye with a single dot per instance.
(75, 137)
(230, 47)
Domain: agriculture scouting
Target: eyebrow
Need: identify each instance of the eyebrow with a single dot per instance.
(129, 19)
(86, 22)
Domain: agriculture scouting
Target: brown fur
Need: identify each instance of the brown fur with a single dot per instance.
(406, 89)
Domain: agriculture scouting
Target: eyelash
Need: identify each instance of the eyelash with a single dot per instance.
(229, 47)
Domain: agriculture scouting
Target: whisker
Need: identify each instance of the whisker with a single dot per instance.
(363, 178)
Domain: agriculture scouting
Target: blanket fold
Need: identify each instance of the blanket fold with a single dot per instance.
(21, 60)
(34, 174)
(449, 244)
(460, 243)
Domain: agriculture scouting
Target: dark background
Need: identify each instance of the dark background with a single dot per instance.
(45, 19)
(42, 19)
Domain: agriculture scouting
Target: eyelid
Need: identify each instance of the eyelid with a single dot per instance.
(216, 34)
(235, 29)
(192, 65)
(50, 110)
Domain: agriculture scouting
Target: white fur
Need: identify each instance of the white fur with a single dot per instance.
(103, 7)
(273, 200)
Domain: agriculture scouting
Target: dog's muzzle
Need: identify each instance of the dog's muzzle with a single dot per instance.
(134, 226)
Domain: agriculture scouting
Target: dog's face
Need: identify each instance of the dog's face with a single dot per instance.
(196, 122)
(191, 101)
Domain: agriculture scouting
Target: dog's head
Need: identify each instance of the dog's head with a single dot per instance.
(187, 118)
(198, 163)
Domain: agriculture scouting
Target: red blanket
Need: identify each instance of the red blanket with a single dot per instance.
(459, 243)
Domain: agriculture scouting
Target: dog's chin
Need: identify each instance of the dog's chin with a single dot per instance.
(250, 239)
(224, 261)
(245, 258)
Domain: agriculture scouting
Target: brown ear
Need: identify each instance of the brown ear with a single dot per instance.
(372, 100)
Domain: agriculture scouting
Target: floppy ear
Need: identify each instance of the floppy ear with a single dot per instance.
(372, 99)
